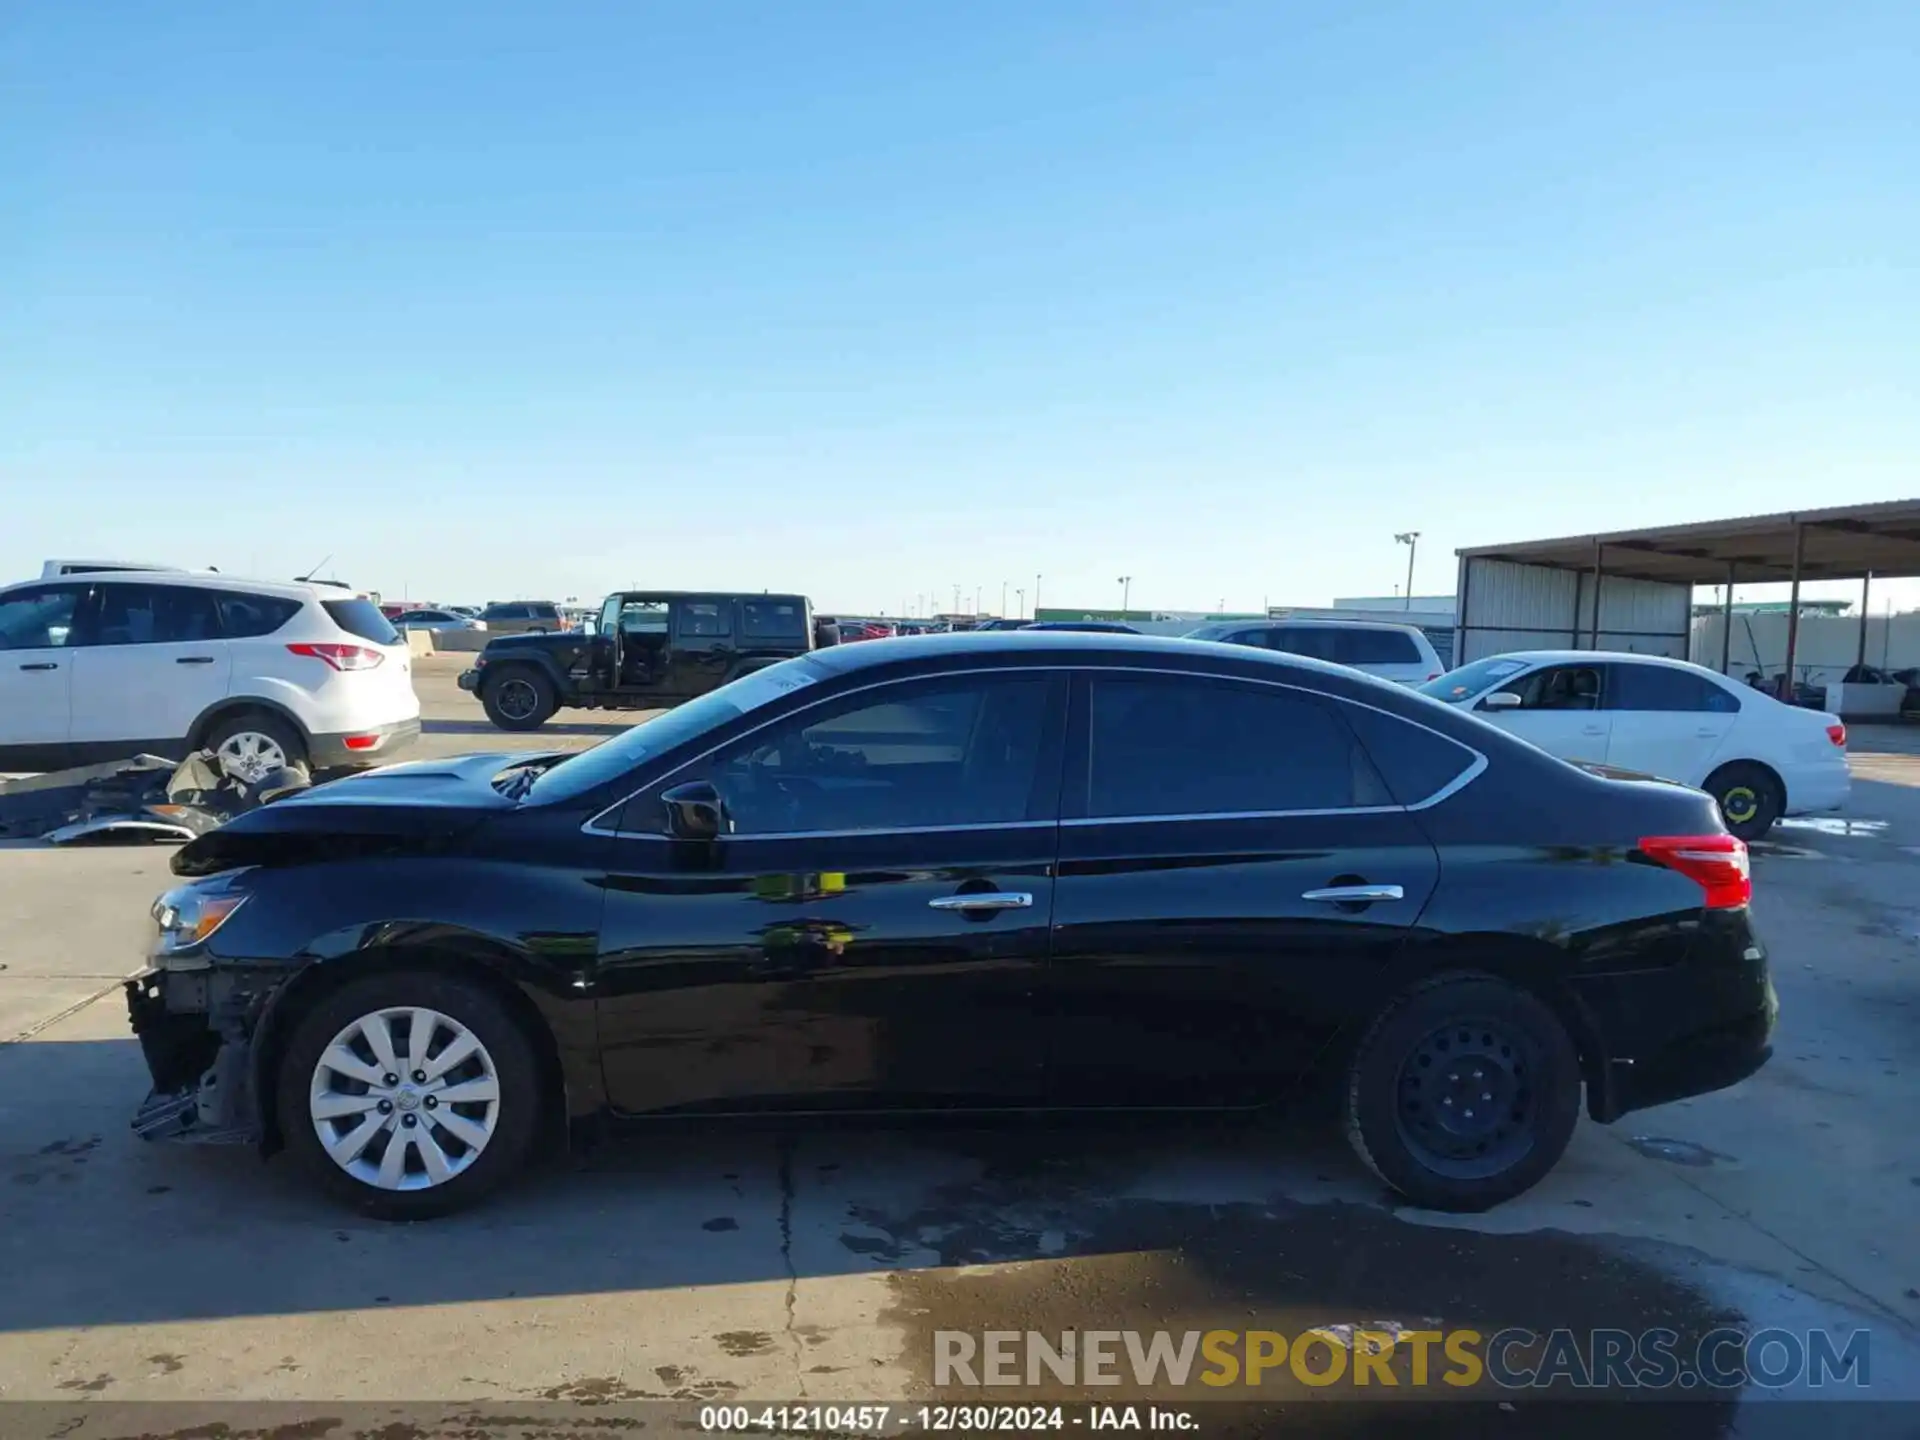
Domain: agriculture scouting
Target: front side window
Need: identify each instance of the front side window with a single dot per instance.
(1665, 687)
(155, 615)
(917, 755)
(1559, 687)
(1316, 643)
(1192, 745)
(705, 619)
(38, 618)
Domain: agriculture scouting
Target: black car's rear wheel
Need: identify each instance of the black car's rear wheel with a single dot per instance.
(409, 1094)
(518, 697)
(1749, 798)
(1463, 1093)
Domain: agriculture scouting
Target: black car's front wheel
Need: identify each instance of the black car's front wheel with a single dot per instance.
(518, 698)
(409, 1094)
(1463, 1093)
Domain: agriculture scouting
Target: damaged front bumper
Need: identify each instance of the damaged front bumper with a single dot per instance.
(196, 1029)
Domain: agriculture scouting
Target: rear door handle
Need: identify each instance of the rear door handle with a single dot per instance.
(1706, 732)
(193, 660)
(1594, 730)
(1355, 894)
(42, 665)
(983, 900)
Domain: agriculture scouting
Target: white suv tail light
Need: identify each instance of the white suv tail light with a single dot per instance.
(340, 657)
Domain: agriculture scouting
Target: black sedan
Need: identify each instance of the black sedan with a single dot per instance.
(960, 873)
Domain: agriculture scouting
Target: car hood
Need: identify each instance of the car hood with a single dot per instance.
(396, 808)
(550, 640)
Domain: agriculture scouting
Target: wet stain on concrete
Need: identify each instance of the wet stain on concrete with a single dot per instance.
(739, 1343)
(1678, 1152)
(167, 1364)
(595, 1390)
(88, 1387)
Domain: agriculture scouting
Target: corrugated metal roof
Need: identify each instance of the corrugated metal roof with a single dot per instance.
(1841, 543)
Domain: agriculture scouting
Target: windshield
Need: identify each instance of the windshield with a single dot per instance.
(1469, 680)
(613, 758)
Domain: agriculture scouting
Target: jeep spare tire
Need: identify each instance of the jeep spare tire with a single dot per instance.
(518, 697)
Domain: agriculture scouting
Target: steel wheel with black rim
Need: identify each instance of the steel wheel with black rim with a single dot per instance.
(518, 698)
(1749, 798)
(1463, 1093)
(409, 1094)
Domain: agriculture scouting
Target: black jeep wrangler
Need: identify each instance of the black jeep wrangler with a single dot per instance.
(648, 649)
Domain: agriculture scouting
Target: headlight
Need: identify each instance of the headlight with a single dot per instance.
(188, 914)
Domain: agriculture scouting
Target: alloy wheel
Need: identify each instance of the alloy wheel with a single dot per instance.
(404, 1098)
(250, 755)
(517, 699)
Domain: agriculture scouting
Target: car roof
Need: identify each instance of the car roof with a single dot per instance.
(1590, 657)
(713, 595)
(193, 579)
(1071, 646)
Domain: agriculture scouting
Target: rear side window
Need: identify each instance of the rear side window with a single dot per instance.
(505, 612)
(246, 617)
(772, 619)
(155, 615)
(1179, 745)
(1417, 763)
(362, 618)
(704, 619)
(1661, 687)
(542, 612)
(1375, 647)
(1297, 640)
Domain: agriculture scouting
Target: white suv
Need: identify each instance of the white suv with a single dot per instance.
(1400, 653)
(100, 667)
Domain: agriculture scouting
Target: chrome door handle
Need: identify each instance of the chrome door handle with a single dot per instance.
(1355, 894)
(1706, 732)
(983, 900)
(42, 665)
(193, 660)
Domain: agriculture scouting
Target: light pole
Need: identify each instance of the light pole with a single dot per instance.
(1410, 539)
(1020, 601)
(1036, 596)
(1003, 599)
(956, 599)
(976, 599)
(1126, 588)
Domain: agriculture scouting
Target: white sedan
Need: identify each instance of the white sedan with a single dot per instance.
(1759, 758)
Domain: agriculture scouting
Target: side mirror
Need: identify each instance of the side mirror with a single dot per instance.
(694, 811)
(1501, 700)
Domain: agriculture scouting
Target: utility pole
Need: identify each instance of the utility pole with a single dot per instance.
(1003, 599)
(976, 598)
(1036, 596)
(956, 599)
(1410, 539)
(1126, 588)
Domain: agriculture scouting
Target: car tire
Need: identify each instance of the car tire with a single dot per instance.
(519, 698)
(464, 1011)
(252, 744)
(1749, 798)
(1430, 1060)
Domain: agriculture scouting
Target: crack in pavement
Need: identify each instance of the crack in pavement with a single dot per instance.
(786, 1257)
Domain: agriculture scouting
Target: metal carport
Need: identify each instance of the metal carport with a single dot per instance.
(1633, 589)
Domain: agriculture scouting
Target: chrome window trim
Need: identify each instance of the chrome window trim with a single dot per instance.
(593, 826)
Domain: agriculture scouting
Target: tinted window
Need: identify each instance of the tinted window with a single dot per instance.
(1360, 646)
(155, 615)
(39, 618)
(949, 752)
(362, 618)
(1415, 762)
(643, 617)
(1662, 687)
(243, 617)
(505, 612)
(773, 619)
(543, 612)
(1159, 745)
(705, 618)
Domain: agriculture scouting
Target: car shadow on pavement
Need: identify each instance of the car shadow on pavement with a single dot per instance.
(1136, 1224)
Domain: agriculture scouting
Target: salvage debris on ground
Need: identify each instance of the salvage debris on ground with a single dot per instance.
(147, 798)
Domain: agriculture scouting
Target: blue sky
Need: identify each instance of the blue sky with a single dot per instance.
(876, 299)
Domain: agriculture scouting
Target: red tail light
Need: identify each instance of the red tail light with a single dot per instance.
(340, 657)
(1717, 862)
(1837, 733)
(361, 742)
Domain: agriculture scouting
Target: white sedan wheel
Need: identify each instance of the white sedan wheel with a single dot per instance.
(405, 1098)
